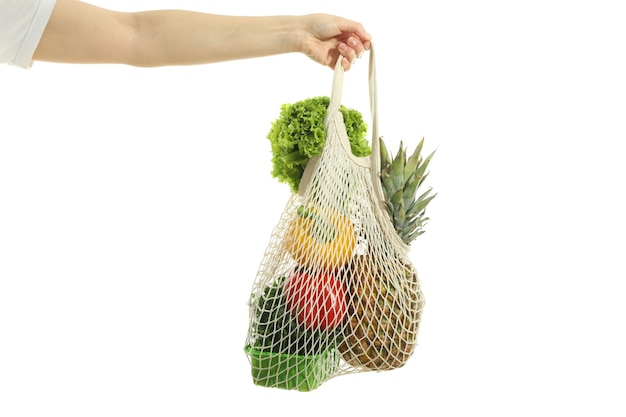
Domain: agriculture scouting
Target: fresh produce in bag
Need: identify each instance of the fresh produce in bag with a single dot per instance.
(336, 292)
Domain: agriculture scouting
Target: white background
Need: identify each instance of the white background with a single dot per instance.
(135, 206)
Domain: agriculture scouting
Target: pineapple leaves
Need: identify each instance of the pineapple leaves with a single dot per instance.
(410, 189)
(397, 203)
(401, 178)
(421, 170)
(413, 161)
(384, 153)
(387, 182)
(397, 168)
(418, 207)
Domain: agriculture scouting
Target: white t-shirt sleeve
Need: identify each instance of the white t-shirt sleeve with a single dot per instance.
(22, 23)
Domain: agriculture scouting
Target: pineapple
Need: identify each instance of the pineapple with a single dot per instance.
(384, 318)
(385, 306)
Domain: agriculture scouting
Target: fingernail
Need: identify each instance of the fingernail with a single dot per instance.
(352, 42)
(343, 47)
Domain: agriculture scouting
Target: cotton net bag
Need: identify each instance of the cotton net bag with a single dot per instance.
(336, 292)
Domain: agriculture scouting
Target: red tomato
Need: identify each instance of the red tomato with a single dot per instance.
(317, 301)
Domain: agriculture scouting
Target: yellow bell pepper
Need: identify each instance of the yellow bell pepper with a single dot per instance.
(322, 238)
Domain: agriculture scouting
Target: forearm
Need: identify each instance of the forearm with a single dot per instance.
(172, 37)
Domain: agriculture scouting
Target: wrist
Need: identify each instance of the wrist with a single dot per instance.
(294, 34)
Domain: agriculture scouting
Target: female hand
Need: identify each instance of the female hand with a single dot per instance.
(328, 38)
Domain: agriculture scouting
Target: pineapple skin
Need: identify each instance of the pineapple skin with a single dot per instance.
(381, 331)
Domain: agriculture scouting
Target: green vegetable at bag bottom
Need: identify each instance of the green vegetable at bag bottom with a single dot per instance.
(299, 134)
(279, 331)
(286, 353)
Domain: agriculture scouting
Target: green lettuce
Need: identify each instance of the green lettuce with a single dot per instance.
(299, 134)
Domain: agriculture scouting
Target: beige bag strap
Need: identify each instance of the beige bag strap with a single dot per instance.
(335, 98)
(335, 102)
(373, 162)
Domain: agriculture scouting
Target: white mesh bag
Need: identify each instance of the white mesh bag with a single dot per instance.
(336, 292)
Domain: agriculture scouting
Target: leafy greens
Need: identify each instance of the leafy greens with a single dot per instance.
(299, 134)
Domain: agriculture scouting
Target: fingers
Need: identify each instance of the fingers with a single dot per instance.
(352, 49)
(345, 63)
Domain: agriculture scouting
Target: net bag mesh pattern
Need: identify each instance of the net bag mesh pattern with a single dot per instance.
(336, 292)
